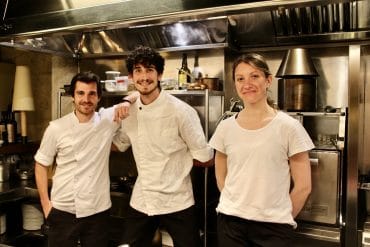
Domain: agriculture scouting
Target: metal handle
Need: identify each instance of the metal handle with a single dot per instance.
(314, 161)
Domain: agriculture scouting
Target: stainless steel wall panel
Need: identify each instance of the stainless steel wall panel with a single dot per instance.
(354, 124)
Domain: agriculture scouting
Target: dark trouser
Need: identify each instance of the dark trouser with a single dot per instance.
(64, 229)
(237, 232)
(139, 228)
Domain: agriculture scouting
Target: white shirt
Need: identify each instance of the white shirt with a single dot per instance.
(166, 136)
(81, 179)
(258, 174)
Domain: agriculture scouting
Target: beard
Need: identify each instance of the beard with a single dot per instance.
(85, 108)
(148, 89)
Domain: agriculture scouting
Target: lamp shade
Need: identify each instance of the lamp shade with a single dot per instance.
(22, 95)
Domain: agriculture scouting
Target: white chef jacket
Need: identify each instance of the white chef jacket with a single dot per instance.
(166, 136)
(258, 174)
(81, 180)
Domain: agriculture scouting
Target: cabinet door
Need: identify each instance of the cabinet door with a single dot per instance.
(323, 203)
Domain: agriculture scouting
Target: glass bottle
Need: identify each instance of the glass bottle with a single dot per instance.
(184, 77)
(197, 71)
(3, 132)
(11, 126)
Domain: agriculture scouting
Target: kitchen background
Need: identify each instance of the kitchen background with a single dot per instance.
(339, 47)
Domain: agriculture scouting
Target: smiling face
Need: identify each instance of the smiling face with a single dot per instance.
(146, 79)
(251, 83)
(85, 98)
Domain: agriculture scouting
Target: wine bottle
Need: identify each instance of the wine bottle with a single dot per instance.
(3, 132)
(184, 73)
(11, 127)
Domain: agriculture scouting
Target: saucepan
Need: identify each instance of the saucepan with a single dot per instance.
(212, 83)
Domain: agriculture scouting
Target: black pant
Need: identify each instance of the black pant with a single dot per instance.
(64, 229)
(139, 228)
(237, 232)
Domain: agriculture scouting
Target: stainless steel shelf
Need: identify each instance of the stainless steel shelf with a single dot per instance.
(317, 114)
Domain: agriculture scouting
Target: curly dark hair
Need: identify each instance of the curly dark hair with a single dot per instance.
(86, 77)
(146, 56)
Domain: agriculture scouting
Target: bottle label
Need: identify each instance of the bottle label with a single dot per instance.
(11, 134)
(182, 81)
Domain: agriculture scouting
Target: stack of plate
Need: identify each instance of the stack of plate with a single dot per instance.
(33, 217)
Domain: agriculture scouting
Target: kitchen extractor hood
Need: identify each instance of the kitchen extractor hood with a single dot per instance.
(85, 28)
(297, 63)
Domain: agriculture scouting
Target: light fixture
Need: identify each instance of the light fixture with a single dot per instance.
(22, 97)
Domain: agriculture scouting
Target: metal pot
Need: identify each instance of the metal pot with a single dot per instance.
(212, 83)
(297, 94)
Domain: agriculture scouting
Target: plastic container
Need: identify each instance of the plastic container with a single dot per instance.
(122, 83)
(111, 75)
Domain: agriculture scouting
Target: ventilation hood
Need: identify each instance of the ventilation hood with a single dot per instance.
(88, 28)
(297, 62)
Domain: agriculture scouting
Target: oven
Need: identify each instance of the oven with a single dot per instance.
(321, 218)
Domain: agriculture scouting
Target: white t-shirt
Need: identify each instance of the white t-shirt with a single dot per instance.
(258, 174)
(81, 180)
(166, 136)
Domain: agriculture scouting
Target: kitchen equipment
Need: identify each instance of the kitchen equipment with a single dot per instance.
(297, 62)
(323, 204)
(4, 171)
(211, 83)
(111, 75)
(297, 88)
(326, 202)
(122, 83)
(297, 94)
(32, 215)
(110, 85)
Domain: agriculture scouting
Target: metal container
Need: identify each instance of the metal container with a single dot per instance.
(4, 172)
(297, 94)
(212, 83)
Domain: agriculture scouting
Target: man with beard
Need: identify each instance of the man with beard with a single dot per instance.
(80, 143)
(166, 135)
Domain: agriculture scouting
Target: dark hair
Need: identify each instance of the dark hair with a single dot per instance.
(253, 59)
(86, 77)
(146, 56)
(258, 61)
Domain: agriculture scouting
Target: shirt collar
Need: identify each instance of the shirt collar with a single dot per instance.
(76, 121)
(157, 102)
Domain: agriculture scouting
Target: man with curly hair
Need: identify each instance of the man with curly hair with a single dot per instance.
(166, 136)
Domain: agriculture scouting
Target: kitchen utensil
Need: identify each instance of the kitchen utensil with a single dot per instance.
(122, 83)
(211, 83)
(297, 94)
(110, 85)
(111, 75)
